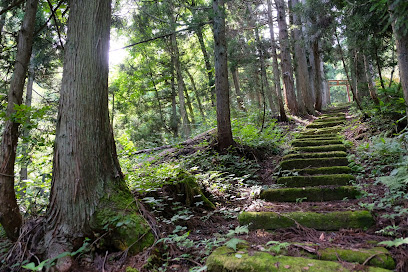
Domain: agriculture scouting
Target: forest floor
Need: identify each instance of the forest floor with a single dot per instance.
(187, 232)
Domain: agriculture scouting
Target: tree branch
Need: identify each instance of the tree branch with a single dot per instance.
(13, 5)
(56, 23)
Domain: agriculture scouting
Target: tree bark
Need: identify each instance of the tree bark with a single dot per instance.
(368, 67)
(26, 131)
(88, 190)
(318, 76)
(362, 84)
(401, 42)
(301, 68)
(10, 217)
(174, 120)
(276, 72)
(286, 63)
(224, 133)
(200, 106)
(189, 106)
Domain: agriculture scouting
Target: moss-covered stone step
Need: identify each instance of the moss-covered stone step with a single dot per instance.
(319, 139)
(225, 259)
(330, 119)
(382, 257)
(299, 143)
(306, 155)
(313, 162)
(305, 136)
(324, 170)
(318, 194)
(324, 124)
(320, 180)
(330, 221)
(330, 130)
(325, 148)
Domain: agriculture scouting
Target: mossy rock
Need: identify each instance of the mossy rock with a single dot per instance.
(320, 180)
(325, 148)
(225, 259)
(302, 143)
(382, 257)
(330, 221)
(118, 212)
(313, 162)
(331, 119)
(329, 154)
(324, 124)
(310, 194)
(319, 139)
(319, 136)
(330, 130)
(324, 170)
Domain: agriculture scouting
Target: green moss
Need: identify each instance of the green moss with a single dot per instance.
(190, 188)
(324, 170)
(310, 193)
(324, 124)
(313, 162)
(331, 119)
(331, 130)
(302, 143)
(319, 221)
(329, 154)
(118, 213)
(304, 181)
(2, 232)
(131, 269)
(327, 135)
(224, 259)
(339, 147)
(382, 256)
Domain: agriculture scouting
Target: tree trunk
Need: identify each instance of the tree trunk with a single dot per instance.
(174, 120)
(286, 63)
(189, 106)
(200, 106)
(276, 72)
(324, 86)
(401, 42)
(224, 133)
(26, 131)
(208, 67)
(362, 84)
(368, 67)
(10, 217)
(181, 87)
(88, 191)
(240, 100)
(302, 72)
(318, 76)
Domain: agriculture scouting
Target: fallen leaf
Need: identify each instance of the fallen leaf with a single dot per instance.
(305, 268)
(287, 266)
(239, 256)
(277, 265)
(321, 238)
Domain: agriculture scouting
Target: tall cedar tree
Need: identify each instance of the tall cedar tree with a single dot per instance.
(88, 189)
(10, 217)
(221, 77)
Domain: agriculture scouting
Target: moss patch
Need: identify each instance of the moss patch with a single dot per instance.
(324, 170)
(118, 214)
(310, 193)
(324, 124)
(304, 181)
(382, 257)
(330, 136)
(224, 259)
(331, 130)
(338, 147)
(313, 162)
(331, 119)
(301, 143)
(329, 154)
(320, 221)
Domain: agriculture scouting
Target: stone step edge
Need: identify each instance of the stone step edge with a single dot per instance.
(318, 180)
(310, 194)
(330, 221)
(336, 147)
(309, 155)
(313, 162)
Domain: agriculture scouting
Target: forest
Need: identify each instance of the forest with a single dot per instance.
(204, 135)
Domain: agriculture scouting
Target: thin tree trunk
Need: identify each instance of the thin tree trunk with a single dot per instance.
(26, 131)
(393, 67)
(318, 76)
(88, 190)
(10, 217)
(286, 63)
(401, 42)
(347, 73)
(377, 59)
(181, 87)
(324, 87)
(197, 95)
(189, 106)
(371, 84)
(174, 120)
(276, 72)
(208, 67)
(156, 92)
(362, 83)
(240, 100)
(302, 71)
(113, 108)
(224, 133)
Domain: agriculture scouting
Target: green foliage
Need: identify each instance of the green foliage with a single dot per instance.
(276, 246)
(233, 243)
(397, 242)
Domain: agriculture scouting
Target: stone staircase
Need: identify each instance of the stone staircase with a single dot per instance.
(316, 171)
